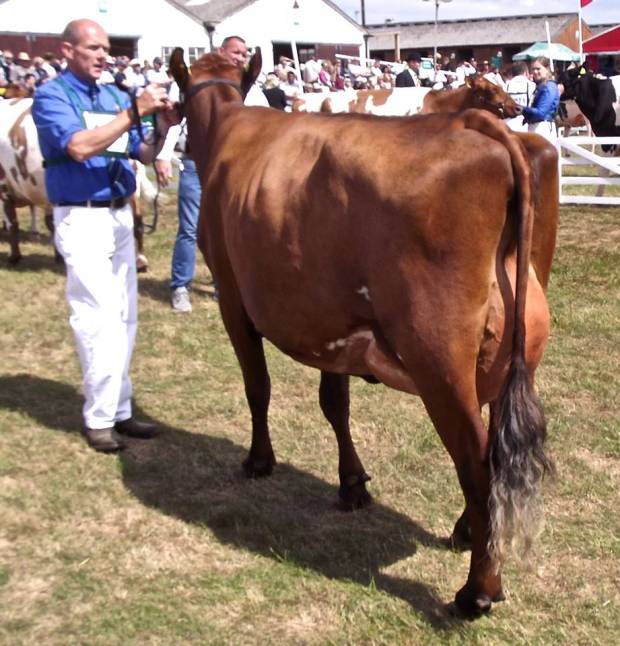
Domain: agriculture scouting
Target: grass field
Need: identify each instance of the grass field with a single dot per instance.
(168, 543)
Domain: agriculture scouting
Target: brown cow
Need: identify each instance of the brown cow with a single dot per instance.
(405, 268)
(477, 92)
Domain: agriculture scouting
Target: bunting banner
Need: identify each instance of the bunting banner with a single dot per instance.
(585, 3)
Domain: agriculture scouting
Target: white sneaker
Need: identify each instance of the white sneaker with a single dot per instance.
(180, 300)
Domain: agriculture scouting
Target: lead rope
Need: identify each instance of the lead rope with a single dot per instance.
(137, 122)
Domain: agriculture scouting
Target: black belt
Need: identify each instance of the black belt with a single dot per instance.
(116, 203)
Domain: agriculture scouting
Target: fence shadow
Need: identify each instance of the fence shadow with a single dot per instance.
(290, 517)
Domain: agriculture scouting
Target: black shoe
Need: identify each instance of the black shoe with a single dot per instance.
(105, 440)
(133, 428)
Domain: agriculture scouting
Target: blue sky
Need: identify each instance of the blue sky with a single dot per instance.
(597, 12)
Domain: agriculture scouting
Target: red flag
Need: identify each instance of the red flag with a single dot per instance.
(585, 3)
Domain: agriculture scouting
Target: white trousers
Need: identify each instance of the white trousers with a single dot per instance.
(98, 247)
(547, 129)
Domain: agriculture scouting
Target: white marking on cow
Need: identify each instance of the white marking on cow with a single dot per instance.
(338, 343)
(363, 291)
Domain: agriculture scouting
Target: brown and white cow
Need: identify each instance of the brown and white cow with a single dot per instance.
(21, 168)
(397, 102)
(22, 179)
(401, 102)
(403, 265)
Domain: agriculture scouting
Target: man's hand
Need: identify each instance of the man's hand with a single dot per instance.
(153, 99)
(163, 168)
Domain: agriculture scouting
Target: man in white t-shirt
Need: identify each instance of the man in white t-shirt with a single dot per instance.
(521, 89)
(157, 74)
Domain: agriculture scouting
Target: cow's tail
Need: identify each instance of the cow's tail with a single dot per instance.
(517, 460)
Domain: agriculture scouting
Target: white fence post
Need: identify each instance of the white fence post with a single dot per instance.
(579, 157)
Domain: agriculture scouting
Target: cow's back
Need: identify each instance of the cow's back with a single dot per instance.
(309, 210)
(21, 163)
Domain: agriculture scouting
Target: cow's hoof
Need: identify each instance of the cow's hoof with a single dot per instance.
(472, 605)
(258, 468)
(353, 493)
(460, 541)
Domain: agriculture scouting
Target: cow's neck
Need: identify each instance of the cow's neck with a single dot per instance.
(205, 116)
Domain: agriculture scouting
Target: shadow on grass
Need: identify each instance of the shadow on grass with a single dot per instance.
(158, 289)
(34, 262)
(291, 517)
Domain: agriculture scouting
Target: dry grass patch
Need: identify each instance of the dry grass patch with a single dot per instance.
(168, 543)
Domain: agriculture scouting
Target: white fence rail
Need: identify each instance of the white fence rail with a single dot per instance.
(609, 168)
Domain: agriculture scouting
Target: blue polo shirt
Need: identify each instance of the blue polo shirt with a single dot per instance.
(544, 104)
(57, 119)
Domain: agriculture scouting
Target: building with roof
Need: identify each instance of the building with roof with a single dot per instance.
(148, 28)
(479, 38)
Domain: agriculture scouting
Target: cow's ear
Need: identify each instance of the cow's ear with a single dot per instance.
(250, 74)
(583, 70)
(179, 70)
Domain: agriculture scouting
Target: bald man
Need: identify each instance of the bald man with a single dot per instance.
(87, 132)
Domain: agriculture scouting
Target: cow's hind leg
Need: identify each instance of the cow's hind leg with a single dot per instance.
(11, 215)
(445, 376)
(334, 400)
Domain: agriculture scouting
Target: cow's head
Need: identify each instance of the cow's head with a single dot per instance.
(214, 70)
(569, 81)
(488, 96)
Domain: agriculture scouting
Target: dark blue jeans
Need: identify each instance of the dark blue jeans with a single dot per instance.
(184, 254)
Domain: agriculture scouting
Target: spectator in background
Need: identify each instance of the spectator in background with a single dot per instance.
(521, 89)
(137, 77)
(41, 74)
(410, 76)
(275, 95)
(7, 63)
(235, 51)
(325, 80)
(52, 72)
(463, 70)
(3, 81)
(22, 67)
(121, 77)
(157, 74)
(488, 72)
(107, 74)
(376, 70)
(311, 71)
(540, 116)
(284, 66)
(291, 87)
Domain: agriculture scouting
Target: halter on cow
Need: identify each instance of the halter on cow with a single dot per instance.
(406, 268)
